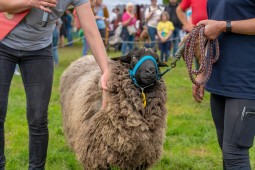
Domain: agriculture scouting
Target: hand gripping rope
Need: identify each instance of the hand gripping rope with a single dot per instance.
(207, 58)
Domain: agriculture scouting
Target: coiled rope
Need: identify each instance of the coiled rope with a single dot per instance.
(207, 56)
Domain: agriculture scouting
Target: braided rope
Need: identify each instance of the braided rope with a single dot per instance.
(207, 58)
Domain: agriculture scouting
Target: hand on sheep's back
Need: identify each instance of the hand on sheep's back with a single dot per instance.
(104, 80)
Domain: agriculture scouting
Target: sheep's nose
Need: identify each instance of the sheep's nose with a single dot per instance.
(150, 70)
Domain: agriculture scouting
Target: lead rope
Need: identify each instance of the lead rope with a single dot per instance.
(206, 55)
(187, 50)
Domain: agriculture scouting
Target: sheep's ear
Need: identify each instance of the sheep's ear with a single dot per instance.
(162, 64)
(124, 59)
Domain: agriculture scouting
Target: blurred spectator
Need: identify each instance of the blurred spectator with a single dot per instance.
(198, 8)
(165, 29)
(55, 39)
(117, 21)
(171, 10)
(128, 29)
(101, 15)
(81, 35)
(152, 15)
(69, 27)
(115, 18)
(62, 33)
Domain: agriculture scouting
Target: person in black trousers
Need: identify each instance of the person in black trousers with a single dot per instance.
(171, 10)
(232, 83)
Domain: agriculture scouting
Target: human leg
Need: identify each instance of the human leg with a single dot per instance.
(176, 40)
(167, 50)
(152, 33)
(227, 118)
(164, 50)
(55, 45)
(131, 40)
(161, 52)
(69, 36)
(124, 48)
(218, 112)
(85, 47)
(16, 72)
(7, 67)
(37, 74)
(238, 133)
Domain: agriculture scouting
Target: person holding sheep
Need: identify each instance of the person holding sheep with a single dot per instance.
(128, 28)
(164, 29)
(231, 85)
(29, 45)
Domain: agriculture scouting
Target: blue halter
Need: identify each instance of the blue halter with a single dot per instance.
(138, 64)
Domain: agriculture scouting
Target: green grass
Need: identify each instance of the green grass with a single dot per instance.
(190, 142)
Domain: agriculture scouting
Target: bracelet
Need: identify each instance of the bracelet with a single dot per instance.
(228, 26)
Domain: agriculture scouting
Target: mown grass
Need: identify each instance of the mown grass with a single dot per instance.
(190, 142)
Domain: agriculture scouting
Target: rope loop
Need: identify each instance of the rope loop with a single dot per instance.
(208, 56)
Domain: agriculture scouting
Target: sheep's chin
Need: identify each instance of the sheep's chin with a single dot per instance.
(146, 81)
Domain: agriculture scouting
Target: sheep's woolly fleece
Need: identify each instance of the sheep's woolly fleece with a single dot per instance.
(124, 134)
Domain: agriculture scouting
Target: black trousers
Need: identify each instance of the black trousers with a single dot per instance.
(235, 124)
(37, 74)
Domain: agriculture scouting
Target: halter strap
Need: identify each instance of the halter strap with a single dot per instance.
(139, 63)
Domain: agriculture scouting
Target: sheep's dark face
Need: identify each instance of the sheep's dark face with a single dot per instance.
(146, 74)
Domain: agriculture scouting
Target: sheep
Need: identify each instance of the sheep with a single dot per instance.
(125, 134)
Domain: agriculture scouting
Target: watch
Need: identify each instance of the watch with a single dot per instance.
(228, 26)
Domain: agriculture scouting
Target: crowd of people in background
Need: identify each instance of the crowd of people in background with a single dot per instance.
(129, 26)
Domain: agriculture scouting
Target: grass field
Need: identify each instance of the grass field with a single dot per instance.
(190, 137)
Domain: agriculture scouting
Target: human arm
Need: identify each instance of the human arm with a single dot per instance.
(159, 35)
(99, 17)
(168, 36)
(88, 24)
(171, 29)
(59, 23)
(182, 17)
(199, 91)
(17, 6)
(148, 14)
(214, 28)
(106, 14)
(76, 20)
(159, 32)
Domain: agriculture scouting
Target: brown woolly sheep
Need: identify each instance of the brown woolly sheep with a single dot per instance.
(125, 134)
